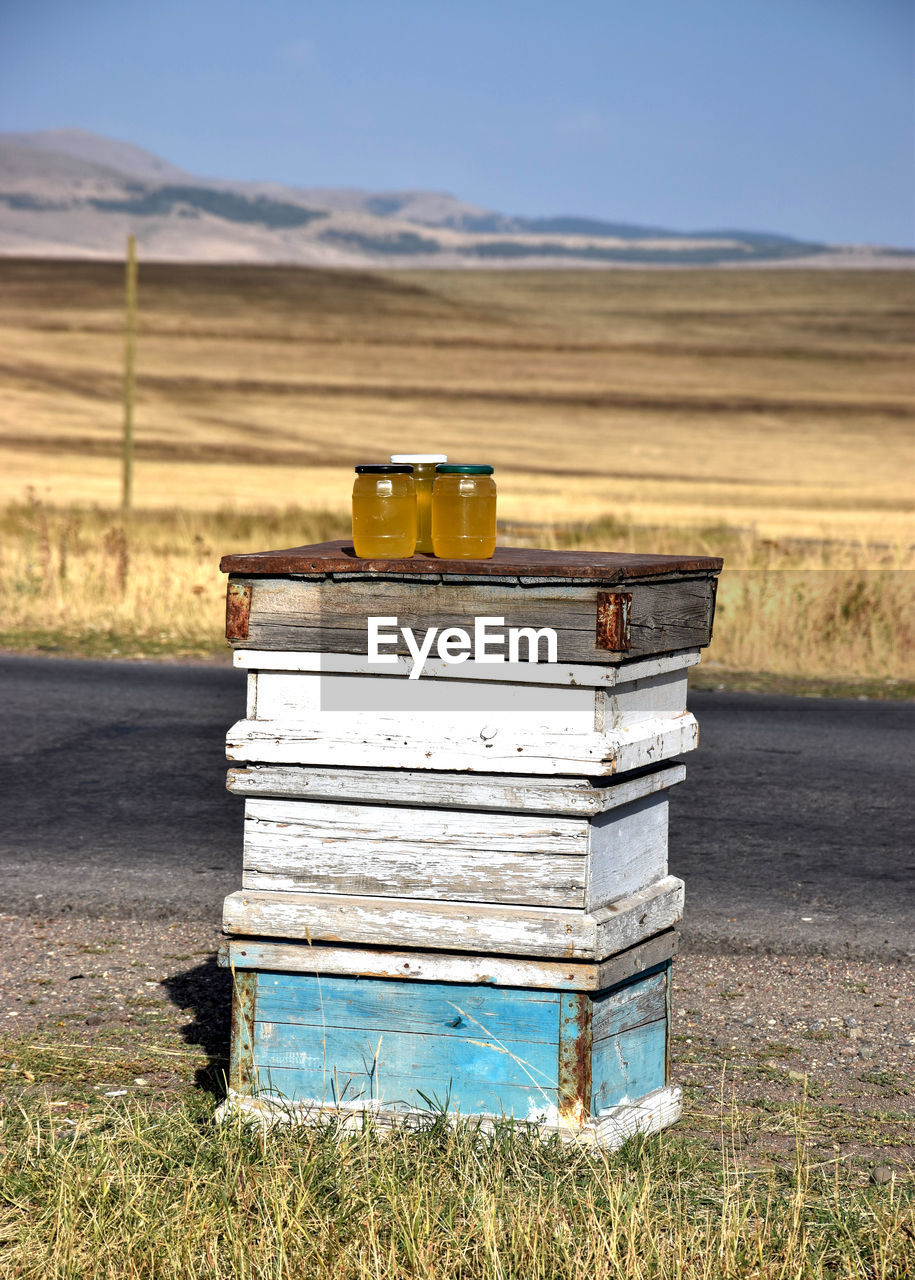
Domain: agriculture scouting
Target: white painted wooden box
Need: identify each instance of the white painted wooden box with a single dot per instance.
(549, 718)
(525, 866)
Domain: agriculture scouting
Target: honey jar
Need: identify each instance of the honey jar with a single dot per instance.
(423, 465)
(463, 512)
(384, 512)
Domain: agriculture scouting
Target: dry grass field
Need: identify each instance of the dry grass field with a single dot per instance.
(763, 415)
(779, 401)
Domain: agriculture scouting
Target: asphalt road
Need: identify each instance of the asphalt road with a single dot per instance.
(793, 830)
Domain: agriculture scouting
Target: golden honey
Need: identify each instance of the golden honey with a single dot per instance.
(464, 512)
(384, 512)
(423, 465)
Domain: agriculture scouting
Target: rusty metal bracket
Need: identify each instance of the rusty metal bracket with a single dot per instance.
(575, 1010)
(712, 598)
(242, 1069)
(614, 610)
(238, 610)
(668, 1030)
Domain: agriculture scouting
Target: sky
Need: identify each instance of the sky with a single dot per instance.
(794, 116)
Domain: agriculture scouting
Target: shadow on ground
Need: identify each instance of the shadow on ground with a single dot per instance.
(206, 992)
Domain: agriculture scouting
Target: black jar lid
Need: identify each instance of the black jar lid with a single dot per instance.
(383, 469)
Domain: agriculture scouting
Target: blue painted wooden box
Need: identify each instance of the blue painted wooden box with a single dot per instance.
(559, 1055)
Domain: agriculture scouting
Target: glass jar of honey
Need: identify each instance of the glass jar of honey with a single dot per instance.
(423, 465)
(384, 512)
(463, 512)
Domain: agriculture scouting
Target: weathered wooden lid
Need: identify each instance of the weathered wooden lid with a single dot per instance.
(527, 562)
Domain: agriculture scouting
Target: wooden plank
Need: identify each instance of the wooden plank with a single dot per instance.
(333, 739)
(348, 605)
(424, 853)
(314, 826)
(427, 1009)
(396, 1041)
(651, 698)
(417, 1062)
(572, 646)
(601, 566)
(615, 1125)
(411, 922)
(397, 922)
(628, 849)
(627, 1066)
(291, 614)
(637, 959)
(443, 966)
(637, 916)
(393, 1095)
(558, 673)
(607, 1131)
(573, 797)
(532, 880)
(642, 999)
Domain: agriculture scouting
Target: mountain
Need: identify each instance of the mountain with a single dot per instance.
(108, 153)
(70, 193)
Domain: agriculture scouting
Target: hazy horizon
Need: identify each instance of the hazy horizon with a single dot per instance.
(790, 118)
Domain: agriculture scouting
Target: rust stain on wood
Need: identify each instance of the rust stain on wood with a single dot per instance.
(614, 611)
(238, 610)
(575, 1057)
(241, 1050)
(667, 1029)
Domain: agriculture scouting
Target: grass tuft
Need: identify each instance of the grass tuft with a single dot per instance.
(137, 1190)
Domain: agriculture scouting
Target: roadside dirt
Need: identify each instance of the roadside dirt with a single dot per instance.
(757, 1040)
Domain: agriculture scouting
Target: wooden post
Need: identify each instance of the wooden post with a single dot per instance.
(129, 359)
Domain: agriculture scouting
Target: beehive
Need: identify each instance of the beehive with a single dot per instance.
(432, 862)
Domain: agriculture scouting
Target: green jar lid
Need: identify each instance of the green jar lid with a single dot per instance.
(462, 469)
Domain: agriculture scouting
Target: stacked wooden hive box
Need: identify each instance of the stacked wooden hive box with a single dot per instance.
(456, 890)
